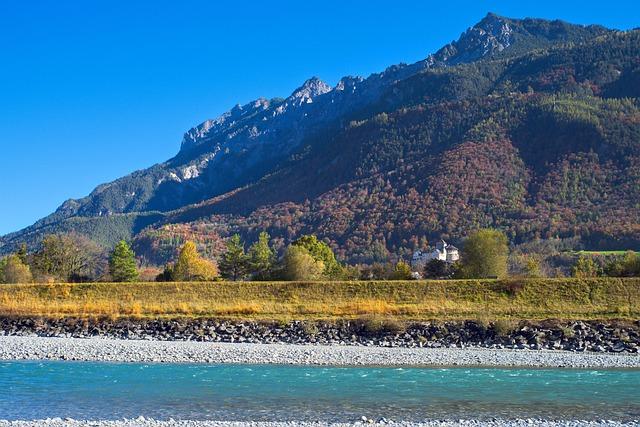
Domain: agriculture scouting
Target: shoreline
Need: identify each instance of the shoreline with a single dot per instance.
(579, 336)
(22, 348)
(144, 422)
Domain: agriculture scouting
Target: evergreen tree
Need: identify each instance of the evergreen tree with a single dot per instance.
(22, 253)
(436, 269)
(122, 263)
(234, 263)
(192, 267)
(166, 275)
(262, 258)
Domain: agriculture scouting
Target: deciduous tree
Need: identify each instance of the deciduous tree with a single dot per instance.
(627, 266)
(401, 271)
(320, 251)
(68, 257)
(485, 254)
(300, 265)
(192, 267)
(585, 267)
(13, 270)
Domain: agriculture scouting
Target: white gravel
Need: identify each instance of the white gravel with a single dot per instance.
(98, 349)
(142, 422)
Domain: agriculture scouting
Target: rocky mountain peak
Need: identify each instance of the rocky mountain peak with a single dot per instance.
(310, 89)
(491, 35)
(492, 28)
(196, 135)
(348, 83)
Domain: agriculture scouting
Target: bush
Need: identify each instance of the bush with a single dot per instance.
(401, 271)
(504, 327)
(13, 270)
(438, 269)
(374, 326)
(586, 267)
(513, 287)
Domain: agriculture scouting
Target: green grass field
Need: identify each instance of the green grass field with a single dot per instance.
(602, 252)
(601, 298)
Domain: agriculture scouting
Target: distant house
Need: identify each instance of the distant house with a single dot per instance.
(443, 252)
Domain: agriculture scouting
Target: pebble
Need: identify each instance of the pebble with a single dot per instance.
(590, 336)
(146, 422)
(145, 351)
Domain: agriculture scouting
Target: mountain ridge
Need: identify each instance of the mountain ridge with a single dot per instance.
(268, 135)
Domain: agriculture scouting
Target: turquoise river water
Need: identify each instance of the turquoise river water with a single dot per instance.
(83, 390)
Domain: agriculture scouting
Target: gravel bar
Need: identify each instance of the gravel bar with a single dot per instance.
(146, 351)
(142, 422)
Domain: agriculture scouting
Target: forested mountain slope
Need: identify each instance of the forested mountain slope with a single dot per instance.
(532, 126)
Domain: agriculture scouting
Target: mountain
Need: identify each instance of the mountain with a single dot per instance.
(528, 125)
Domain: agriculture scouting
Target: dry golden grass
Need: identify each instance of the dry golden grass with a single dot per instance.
(409, 300)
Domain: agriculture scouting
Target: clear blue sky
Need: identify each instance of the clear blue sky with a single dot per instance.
(93, 90)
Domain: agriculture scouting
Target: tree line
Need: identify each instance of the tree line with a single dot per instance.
(485, 254)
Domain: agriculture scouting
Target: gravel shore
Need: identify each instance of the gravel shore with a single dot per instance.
(462, 423)
(110, 350)
(578, 336)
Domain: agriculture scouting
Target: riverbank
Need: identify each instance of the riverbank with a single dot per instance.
(109, 350)
(142, 422)
(414, 300)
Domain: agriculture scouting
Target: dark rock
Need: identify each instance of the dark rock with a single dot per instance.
(572, 336)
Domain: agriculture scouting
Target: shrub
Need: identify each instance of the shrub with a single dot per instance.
(379, 326)
(401, 271)
(13, 270)
(504, 327)
(586, 267)
(310, 328)
(513, 287)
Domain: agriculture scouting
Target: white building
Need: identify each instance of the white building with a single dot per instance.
(443, 252)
